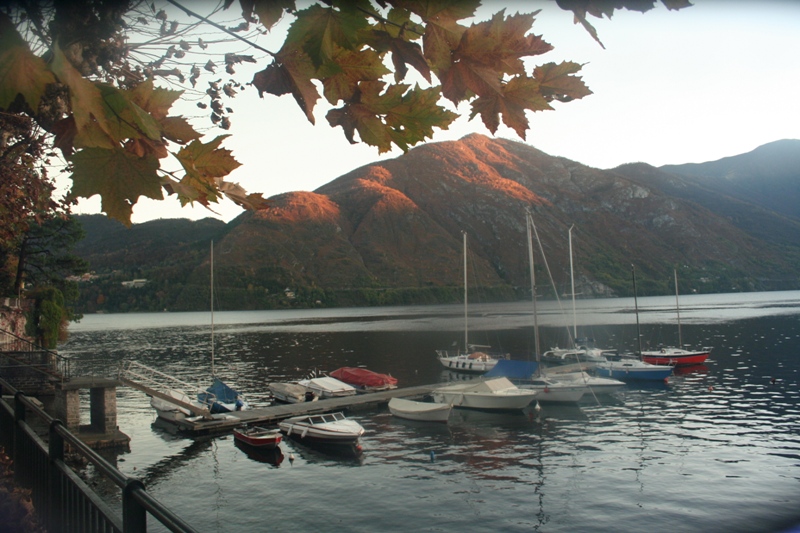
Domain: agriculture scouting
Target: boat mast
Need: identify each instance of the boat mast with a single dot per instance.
(636, 307)
(466, 321)
(678, 309)
(529, 224)
(212, 309)
(572, 282)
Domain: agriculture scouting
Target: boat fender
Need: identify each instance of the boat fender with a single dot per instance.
(470, 366)
(433, 456)
(303, 434)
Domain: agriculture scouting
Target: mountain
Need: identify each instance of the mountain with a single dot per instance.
(767, 177)
(390, 232)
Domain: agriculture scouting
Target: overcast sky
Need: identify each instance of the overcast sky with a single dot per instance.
(714, 80)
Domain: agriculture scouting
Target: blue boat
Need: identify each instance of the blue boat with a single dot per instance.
(633, 369)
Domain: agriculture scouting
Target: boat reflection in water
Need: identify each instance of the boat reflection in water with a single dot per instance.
(273, 456)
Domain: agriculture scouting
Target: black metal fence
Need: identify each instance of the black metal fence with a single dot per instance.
(62, 500)
(24, 354)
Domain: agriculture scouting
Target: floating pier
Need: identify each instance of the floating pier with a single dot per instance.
(275, 413)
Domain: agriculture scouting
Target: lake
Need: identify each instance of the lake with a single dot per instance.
(715, 449)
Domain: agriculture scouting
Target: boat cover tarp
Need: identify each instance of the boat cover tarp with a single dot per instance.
(218, 393)
(361, 377)
(512, 369)
(489, 385)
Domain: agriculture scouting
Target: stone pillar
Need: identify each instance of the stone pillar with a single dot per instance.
(103, 408)
(67, 406)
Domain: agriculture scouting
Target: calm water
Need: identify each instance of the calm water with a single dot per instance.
(716, 449)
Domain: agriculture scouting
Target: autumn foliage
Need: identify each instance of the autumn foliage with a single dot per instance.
(386, 69)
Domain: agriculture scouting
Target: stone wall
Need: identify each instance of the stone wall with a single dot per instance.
(12, 315)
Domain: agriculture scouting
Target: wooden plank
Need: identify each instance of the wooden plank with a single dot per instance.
(166, 397)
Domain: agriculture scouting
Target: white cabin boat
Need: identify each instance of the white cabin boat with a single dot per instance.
(328, 387)
(492, 394)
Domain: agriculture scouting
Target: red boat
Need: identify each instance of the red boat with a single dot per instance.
(364, 380)
(675, 357)
(258, 437)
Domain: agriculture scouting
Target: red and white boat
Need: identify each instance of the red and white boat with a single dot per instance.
(364, 380)
(258, 437)
(675, 356)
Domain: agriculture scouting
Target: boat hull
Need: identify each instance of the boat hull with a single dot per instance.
(557, 393)
(420, 411)
(675, 357)
(322, 429)
(497, 394)
(467, 363)
(258, 437)
(633, 371)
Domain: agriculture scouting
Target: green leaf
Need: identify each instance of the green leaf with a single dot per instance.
(270, 11)
(178, 129)
(320, 30)
(126, 120)
(87, 104)
(21, 71)
(340, 78)
(118, 176)
(204, 162)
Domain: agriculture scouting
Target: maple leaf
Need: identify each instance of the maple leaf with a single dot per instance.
(501, 42)
(238, 195)
(519, 94)
(291, 72)
(125, 119)
(203, 162)
(340, 78)
(269, 12)
(118, 176)
(556, 81)
(178, 129)
(21, 71)
(320, 30)
(398, 115)
(88, 107)
(442, 32)
(155, 100)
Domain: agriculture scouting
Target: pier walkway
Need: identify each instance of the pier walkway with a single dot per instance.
(275, 413)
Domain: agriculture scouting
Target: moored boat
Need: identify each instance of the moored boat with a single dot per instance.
(328, 387)
(491, 394)
(364, 380)
(329, 428)
(258, 437)
(675, 356)
(550, 390)
(422, 411)
(291, 393)
(633, 369)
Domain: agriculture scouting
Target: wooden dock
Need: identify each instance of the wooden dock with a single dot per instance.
(275, 413)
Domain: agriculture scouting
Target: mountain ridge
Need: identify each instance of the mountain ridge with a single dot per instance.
(390, 232)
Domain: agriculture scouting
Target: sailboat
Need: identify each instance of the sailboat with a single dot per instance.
(672, 355)
(216, 399)
(629, 368)
(471, 359)
(581, 351)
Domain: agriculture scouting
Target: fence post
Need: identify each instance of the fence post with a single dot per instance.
(19, 442)
(55, 514)
(134, 515)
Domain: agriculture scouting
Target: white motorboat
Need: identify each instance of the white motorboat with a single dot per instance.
(291, 393)
(596, 384)
(492, 394)
(423, 411)
(550, 390)
(328, 387)
(329, 428)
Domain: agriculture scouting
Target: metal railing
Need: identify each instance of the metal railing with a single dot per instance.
(62, 500)
(24, 353)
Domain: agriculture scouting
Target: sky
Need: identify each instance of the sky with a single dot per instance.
(714, 80)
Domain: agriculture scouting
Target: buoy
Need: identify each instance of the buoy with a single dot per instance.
(433, 456)
(710, 388)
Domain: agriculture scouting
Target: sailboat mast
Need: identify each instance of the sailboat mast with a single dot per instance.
(212, 309)
(529, 224)
(636, 307)
(678, 309)
(572, 282)
(466, 320)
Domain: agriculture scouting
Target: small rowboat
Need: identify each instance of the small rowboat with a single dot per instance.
(258, 437)
(427, 412)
